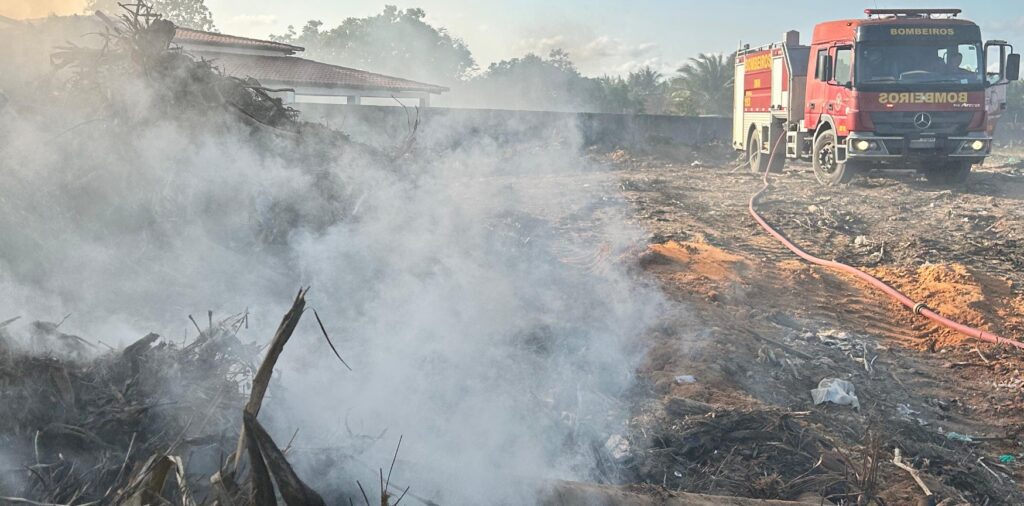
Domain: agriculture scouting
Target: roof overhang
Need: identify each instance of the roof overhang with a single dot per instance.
(326, 79)
(188, 36)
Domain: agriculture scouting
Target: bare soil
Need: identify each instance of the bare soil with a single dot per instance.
(758, 328)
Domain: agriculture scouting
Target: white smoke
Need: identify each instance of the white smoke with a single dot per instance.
(477, 291)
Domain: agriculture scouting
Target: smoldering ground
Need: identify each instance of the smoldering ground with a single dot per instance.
(477, 290)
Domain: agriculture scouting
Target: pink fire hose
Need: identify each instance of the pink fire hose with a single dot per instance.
(917, 307)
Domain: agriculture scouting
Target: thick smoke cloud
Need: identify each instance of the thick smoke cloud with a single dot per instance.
(478, 290)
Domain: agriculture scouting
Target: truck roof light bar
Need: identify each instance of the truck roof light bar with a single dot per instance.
(912, 13)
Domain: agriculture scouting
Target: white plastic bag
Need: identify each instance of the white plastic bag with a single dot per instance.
(836, 391)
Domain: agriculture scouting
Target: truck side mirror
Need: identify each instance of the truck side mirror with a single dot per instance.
(1013, 66)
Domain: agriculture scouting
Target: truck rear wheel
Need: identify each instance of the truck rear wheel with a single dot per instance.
(827, 168)
(948, 174)
(758, 161)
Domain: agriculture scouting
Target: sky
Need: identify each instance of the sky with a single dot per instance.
(603, 37)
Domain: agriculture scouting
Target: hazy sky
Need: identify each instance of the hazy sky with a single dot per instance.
(610, 36)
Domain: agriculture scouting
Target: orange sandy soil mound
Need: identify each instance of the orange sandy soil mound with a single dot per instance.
(961, 294)
(696, 265)
(701, 259)
(618, 155)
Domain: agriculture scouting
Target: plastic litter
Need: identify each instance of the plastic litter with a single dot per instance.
(685, 378)
(617, 446)
(956, 436)
(836, 391)
(905, 410)
(908, 413)
(1007, 458)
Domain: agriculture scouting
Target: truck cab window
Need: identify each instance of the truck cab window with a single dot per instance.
(820, 64)
(959, 60)
(844, 66)
(919, 63)
(995, 57)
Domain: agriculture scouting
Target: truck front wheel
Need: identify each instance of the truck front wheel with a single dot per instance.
(948, 174)
(827, 168)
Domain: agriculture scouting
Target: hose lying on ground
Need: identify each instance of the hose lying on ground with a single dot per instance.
(917, 307)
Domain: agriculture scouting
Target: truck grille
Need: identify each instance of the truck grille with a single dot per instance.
(901, 123)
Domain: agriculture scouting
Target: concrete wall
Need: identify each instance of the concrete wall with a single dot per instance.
(389, 125)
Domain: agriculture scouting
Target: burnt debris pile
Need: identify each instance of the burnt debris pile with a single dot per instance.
(162, 420)
(139, 44)
(85, 427)
(153, 423)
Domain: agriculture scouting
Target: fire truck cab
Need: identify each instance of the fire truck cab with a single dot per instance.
(902, 88)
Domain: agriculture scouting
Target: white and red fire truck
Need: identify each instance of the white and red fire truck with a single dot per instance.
(901, 88)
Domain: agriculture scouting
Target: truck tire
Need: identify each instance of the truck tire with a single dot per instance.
(758, 160)
(948, 174)
(827, 170)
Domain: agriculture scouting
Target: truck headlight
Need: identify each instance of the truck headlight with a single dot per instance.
(862, 145)
(978, 145)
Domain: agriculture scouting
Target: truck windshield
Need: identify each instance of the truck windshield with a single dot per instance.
(919, 63)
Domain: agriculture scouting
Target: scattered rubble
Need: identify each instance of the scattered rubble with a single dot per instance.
(778, 326)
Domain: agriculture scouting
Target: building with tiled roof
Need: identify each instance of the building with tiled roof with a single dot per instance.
(298, 80)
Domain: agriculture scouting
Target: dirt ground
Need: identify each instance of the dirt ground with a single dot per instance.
(726, 406)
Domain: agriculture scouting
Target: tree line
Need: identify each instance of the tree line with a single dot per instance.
(401, 42)
(1015, 102)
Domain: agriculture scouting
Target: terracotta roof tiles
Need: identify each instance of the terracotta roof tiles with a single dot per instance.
(188, 35)
(294, 71)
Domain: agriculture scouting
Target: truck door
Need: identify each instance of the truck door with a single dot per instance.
(821, 70)
(996, 83)
(828, 92)
(840, 86)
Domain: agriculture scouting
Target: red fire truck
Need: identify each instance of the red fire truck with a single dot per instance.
(902, 89)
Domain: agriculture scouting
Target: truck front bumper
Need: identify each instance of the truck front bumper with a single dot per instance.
(866, 146)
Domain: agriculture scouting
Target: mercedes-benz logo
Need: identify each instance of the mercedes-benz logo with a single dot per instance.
(922, 120)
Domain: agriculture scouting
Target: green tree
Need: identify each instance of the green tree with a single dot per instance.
(532, 82)
(617, 95)
(1015, 102)
(648, 87)
(553, 84)
(646, 81)
(704, 85)
(547, 84)
(397, 42)
(188, 13)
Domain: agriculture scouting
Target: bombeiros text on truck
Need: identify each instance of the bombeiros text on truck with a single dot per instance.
(901, 89)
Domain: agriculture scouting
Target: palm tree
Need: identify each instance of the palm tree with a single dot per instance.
(705, 83)
(645, 81)
(648, 87)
